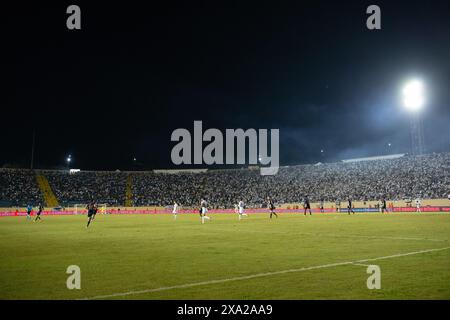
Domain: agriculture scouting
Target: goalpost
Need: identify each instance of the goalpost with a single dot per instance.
(102, 208)
(80, 208)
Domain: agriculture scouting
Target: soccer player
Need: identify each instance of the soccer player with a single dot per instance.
(418, 203)
(175, 210)
(38, 214)
(29, 209)
(91, 213)
(204, 210)
(271, 207)
(94, 210)
(338, 205)
(241, 210)
(322, 201)
(306, 205)
(383, 206)
(349, 206)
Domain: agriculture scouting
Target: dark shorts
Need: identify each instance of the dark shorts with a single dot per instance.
(90, 213)
(307, 206)
(39, 213)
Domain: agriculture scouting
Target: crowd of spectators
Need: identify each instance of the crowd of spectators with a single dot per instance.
(407, 177)
(19, 188)
(85, 186)
(403, 178)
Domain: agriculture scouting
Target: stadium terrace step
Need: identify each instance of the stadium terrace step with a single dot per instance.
(47, 192)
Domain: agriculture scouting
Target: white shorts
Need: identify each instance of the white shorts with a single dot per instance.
(204, 210)
(241, 210)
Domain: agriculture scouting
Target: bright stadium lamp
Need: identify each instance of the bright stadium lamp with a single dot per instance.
(413, 101)
(413, 95)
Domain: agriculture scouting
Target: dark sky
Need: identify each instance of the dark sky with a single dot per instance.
(117, 88)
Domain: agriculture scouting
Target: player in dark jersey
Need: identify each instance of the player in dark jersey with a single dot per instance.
(383, 206)
(91, 212)
(38, 214)
(322, 201)
(349, 206)
(271, 207)
(306, 205)
(95, 210)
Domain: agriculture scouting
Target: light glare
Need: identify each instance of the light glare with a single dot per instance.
(413, 97)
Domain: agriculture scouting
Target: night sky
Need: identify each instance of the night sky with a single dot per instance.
(117, 88)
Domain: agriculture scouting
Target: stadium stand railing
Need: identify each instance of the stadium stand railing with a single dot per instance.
(129, 192)
(47, 192)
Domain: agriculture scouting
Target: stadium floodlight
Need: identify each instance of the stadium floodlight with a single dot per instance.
(413, 101)
(413, 95)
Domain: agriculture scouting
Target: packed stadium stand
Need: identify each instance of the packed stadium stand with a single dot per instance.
(18, 188)
(405, 177)
(85, 186)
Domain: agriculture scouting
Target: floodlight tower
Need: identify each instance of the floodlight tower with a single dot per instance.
(413, 101)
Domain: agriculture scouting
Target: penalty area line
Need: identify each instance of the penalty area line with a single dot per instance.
(259, 275)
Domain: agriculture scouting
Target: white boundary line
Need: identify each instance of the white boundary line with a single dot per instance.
(361, 264)
(333, 235)
(258, 275)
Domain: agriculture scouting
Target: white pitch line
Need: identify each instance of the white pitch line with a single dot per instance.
(336, 235)
(258, 275)
(361, 264)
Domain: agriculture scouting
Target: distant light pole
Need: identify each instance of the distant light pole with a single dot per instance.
(32, 149)
(69, 160)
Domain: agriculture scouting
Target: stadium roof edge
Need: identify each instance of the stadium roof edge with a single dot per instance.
(384, 157)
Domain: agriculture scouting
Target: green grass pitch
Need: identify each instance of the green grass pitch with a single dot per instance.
(155, 257)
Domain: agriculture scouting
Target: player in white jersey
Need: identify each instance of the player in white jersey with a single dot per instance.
(418, 203)
(241, 210)
(175, 210)
(204, 210)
